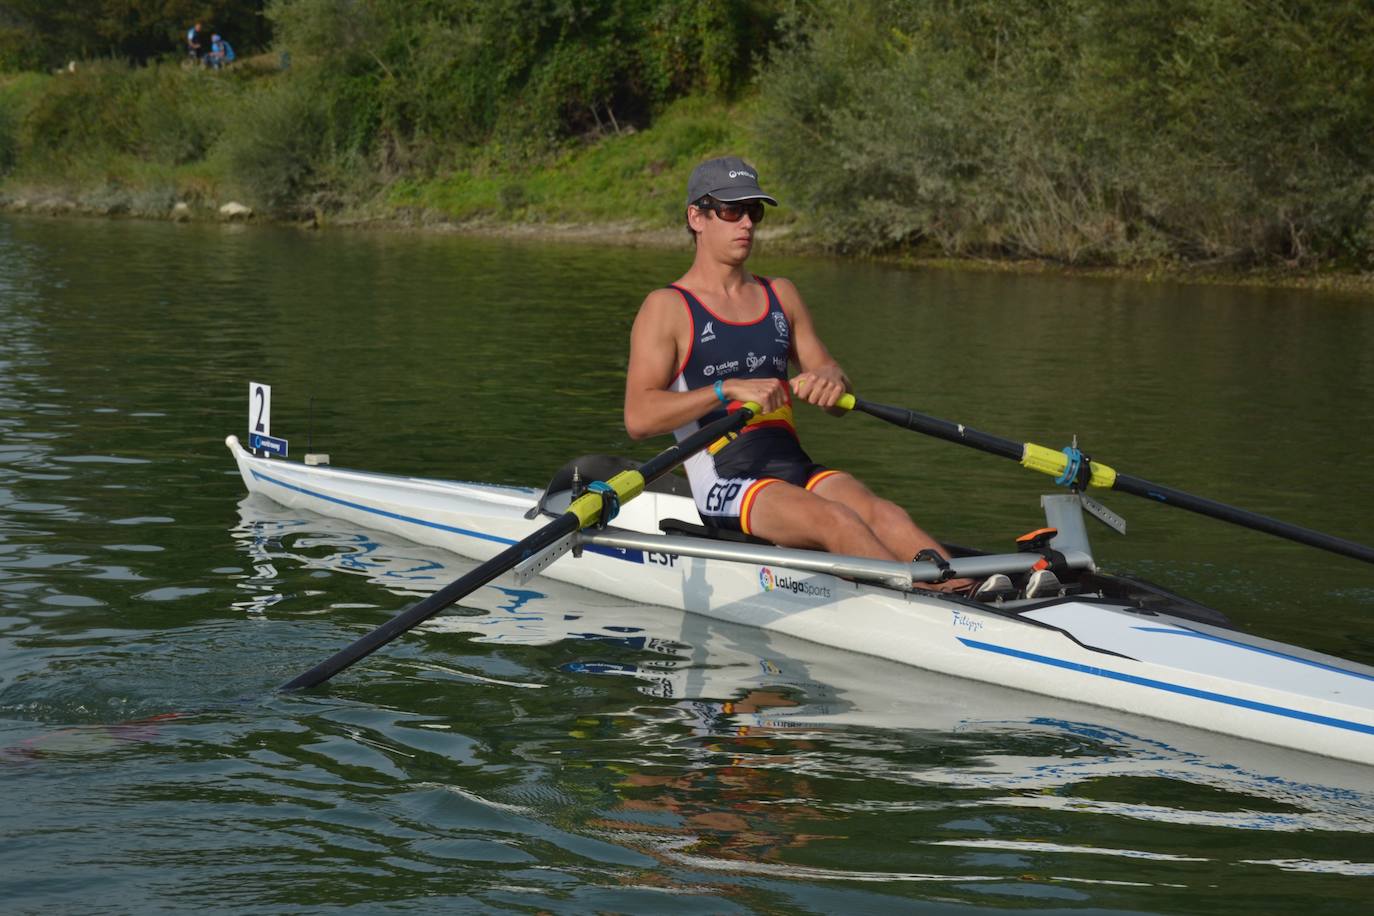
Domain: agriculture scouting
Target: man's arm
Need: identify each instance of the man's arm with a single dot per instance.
(821, 380)
(661, 332)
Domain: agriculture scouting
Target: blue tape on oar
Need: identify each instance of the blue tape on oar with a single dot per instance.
(1070, 474)
(610, 501)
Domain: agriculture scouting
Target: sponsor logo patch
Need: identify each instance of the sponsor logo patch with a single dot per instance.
(770, 582)
(708, 333)
(780, 322)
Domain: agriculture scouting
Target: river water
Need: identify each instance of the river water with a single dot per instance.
(544, 750)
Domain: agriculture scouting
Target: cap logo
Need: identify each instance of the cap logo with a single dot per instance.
(737, 173)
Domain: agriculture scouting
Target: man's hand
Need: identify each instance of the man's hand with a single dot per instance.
(821, 386)
(768, 393)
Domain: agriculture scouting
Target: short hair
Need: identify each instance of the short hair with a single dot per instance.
(699, 203)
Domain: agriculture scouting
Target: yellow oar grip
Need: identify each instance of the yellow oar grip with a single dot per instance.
(1055, 463)
(846, 402)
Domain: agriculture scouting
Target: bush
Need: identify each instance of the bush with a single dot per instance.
(1084, 131)
(527, 74)
(9, 136)
(274, 147)
(82, 111)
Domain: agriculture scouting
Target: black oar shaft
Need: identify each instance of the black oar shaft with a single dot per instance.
(1243, 517)
(507, 559)
(455, 591)
(1019, 451)
(942, 429)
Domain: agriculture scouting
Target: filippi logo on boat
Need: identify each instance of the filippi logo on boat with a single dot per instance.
(770, 581)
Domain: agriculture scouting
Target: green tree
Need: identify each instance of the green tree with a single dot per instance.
(1083, 130)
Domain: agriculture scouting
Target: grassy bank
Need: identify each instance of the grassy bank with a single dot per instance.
(166, 143)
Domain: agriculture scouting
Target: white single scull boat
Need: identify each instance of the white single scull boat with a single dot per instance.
(1106, 641)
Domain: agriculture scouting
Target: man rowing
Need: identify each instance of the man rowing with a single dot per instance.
(720, 336)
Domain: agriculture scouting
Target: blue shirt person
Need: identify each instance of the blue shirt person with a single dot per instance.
(221, 52)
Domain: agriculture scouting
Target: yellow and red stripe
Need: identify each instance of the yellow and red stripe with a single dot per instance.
(819, 476)
(747, 504)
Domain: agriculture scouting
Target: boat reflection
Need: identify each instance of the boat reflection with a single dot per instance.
(735, 721)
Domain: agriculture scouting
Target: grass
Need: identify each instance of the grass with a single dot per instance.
(632, 177)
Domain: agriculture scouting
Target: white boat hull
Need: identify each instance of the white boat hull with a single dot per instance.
(1084, 649)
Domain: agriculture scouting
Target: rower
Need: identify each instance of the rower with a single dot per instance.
(720, 336)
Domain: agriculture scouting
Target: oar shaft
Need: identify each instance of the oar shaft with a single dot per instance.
(1048, 461)
(455, 591)
(583, 512)
(1243, 517)
(941, 429)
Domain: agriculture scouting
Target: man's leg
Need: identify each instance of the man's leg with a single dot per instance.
(792, 517)
(889, 522)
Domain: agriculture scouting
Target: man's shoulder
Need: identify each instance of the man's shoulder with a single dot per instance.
(663, 301)
(663, 307)
(784, 289)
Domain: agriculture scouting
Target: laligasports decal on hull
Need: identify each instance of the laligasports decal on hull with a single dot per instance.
(770, 581)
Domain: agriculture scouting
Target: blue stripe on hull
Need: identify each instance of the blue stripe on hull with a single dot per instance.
(382, 512)
(617, 553)
(1165, 686)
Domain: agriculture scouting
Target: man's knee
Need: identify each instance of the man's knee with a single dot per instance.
(838, 524)
(889, 514)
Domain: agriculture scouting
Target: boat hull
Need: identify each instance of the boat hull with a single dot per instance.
(1084, 649)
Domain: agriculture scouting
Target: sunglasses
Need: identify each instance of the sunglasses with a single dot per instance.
(733, 211)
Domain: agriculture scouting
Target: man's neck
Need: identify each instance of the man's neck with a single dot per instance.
(712, 276)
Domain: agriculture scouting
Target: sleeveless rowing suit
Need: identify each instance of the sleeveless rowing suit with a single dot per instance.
(728, 476)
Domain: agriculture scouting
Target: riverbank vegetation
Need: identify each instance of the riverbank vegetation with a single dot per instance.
(1183, 132)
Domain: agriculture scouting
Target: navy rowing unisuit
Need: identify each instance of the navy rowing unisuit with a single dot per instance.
(730, 474)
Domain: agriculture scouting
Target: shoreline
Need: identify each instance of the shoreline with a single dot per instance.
(116, 203)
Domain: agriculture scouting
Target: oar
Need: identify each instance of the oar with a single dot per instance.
(1072, 467)
(584, 511)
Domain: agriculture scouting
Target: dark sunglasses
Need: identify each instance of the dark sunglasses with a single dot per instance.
(734, 211)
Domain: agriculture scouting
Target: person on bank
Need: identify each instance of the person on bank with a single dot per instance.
(721, 335)
(195, 43)
(221, 53)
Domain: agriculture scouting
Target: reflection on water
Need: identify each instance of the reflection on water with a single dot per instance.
(548, 748)
(748, 753)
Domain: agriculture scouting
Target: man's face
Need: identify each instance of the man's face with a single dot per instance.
(726, 229)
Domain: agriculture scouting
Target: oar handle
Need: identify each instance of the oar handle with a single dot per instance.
(1058, 463)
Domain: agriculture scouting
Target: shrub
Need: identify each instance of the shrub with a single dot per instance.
(1085, 131)
(274, 147)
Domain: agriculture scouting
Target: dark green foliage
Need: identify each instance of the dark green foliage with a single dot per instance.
(41, 34)
(9, 133)
(524, 73)
(1085, 130)
(277, 148)
(161, 114)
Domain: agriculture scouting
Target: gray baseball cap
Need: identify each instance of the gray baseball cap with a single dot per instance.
(727, 179)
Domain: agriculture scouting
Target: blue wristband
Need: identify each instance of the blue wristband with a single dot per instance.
(719, 388)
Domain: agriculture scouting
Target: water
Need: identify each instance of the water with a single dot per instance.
(547, 749)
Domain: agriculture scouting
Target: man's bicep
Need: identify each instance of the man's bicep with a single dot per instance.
(653, 349)
(807, 348)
